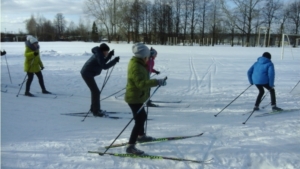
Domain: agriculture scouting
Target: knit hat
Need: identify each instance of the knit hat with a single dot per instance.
(140, 50)
(267, 55)
(153, 52)
(104, 47)
(31, 39)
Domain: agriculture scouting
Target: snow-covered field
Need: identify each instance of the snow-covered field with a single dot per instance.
(34, 134)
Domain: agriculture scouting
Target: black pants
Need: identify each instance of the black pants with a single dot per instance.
(30, 78)
(95, 93)
(140, 118)
(262, 92)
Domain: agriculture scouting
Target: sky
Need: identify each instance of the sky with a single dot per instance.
(15, 12)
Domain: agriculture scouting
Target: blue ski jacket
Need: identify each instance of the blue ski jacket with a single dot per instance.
(96, 63)
(262, 72)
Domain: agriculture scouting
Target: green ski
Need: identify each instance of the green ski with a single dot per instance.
(156, 140)
(152, 157)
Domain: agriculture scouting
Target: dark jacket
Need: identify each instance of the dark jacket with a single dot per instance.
(138, 82)
(96, 63)
(262, 72)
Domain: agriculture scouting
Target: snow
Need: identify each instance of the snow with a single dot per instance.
(35, 135)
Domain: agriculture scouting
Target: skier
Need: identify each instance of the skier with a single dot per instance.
(137, 92)
(33, 64)
(150, 65)
(262, 74)
(93, 67)
(3, 53)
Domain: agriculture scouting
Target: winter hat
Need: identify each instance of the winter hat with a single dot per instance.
(267, 55)
(104, 47)
(153, 52)
(140, 50)
(31, 39)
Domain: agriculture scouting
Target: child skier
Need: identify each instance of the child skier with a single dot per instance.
(262, 74)
(93, 67)
(33, 64)
(137, 92)
(150, 65)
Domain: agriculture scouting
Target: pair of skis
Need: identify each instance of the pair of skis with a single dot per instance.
(156, 157)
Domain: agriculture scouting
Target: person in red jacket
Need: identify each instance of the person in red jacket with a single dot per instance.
(150, 68)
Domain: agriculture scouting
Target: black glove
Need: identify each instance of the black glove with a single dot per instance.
(3, 53)
(42, 68)
(117, 59)
(36, 53)
(111, 53)
(157, 72)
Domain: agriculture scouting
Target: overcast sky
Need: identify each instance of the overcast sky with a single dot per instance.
(15, 12)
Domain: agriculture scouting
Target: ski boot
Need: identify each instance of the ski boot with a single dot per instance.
(131, 149)
(144, 138)
(275, 108)
(256, 108)
(29, 94)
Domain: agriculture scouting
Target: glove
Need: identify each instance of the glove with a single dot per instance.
(157, 72)
(161, 82)
(111, 53)
(36, 53)
(42, 68)
(117, 59)
(3, 53)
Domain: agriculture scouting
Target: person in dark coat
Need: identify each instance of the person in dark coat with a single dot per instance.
(262, 74)
(93, 67)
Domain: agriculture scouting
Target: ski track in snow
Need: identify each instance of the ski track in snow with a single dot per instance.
(34, 135)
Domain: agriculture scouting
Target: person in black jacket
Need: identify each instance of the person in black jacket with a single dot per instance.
(93, 67)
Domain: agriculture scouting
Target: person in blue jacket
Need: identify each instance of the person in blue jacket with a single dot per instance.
(93, 67)
(262, 74)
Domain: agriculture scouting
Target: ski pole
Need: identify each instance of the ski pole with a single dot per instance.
(254, 110)
(133, 118)
(232, 101)
(8, 69)
(125, 87)
(295, 86)
(113, 94)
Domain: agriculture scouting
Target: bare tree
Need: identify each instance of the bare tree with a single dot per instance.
(294, 16)
(230, 19)
(102, 11)
(270, 13)
(203, 17)
(31, 25)
(60, 24)
(249, 12)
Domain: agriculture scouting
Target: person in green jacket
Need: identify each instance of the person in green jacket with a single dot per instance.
(33, 64)
(137, 92)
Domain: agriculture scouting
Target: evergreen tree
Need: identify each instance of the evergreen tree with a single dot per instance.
(95, 35)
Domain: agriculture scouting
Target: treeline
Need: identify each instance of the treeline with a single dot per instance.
(155, 22)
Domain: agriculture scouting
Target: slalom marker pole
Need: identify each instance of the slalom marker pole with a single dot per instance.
(132, 119)
(232, 101)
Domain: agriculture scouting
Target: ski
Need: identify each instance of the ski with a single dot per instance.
(160, 101)
(4, 91)
(172, 106)
(67, 95)
(157, 140)
(152, 157)
(90, 115)
(49, 96)
(277, 112)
